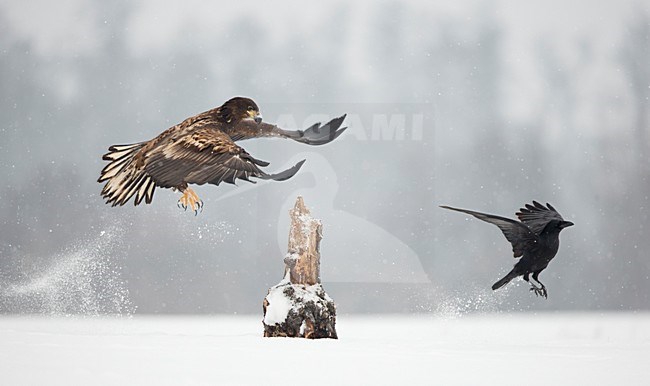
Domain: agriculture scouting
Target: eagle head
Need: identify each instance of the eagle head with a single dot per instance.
(237, 109)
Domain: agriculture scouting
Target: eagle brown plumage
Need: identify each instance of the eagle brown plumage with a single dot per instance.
(201, 150)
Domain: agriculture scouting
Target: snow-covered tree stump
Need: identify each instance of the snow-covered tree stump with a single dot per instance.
(298, 306)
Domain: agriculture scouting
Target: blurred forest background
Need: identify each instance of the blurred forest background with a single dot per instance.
(480, 105)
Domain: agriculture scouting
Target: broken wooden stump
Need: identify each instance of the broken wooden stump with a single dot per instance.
(298, 306)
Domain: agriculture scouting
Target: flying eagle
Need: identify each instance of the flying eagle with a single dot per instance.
(201, 150)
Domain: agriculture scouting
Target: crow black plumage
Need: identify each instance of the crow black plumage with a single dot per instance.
(535, 238)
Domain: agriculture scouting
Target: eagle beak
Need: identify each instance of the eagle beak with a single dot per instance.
(255, 115)
(566, 224)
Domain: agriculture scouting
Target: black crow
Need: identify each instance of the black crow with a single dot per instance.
(535, 238)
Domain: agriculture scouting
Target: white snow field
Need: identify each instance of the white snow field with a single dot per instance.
(542, 349)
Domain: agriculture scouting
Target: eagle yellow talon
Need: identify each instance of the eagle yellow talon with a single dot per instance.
(190, 199)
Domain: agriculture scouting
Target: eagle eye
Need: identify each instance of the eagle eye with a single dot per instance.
(250, 108)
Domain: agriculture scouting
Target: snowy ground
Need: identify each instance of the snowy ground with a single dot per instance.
(548, 349)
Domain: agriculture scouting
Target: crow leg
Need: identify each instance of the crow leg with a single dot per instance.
(541, 290)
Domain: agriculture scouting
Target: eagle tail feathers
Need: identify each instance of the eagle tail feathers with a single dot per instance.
(123, 178)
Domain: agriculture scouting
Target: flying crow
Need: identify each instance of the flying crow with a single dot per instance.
(535, 238)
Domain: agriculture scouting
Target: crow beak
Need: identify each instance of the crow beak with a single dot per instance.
(566, 224)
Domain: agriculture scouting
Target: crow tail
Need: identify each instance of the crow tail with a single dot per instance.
(511, 275)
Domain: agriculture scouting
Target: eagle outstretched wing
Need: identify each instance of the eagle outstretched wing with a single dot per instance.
(536, 216)
(318, 134)
(315, 135)
(206, 155)
(518, 234)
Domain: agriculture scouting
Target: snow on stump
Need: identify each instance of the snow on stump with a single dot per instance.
(298, 306)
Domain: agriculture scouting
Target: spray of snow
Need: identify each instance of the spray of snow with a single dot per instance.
(476, 300)
(84, 279)
(214, 233)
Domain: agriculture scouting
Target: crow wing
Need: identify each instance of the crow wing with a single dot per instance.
(206, 155)
(536, 216)
(519, 235)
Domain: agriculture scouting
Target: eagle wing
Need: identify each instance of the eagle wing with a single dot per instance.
(206, 155)
(519, 235)
(316, 134)
(536, 216)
